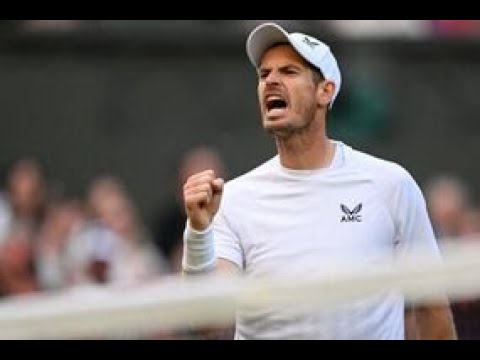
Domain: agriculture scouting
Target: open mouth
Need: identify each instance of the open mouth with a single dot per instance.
(275, 102)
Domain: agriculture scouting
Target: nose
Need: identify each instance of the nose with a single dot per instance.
(272, 78)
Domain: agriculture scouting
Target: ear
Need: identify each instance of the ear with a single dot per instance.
(325, 92)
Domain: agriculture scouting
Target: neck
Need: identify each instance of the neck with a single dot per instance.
(307, 150)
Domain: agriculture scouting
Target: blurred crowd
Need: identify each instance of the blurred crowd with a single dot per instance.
(344, 28)
(50, 242)
(456, 217)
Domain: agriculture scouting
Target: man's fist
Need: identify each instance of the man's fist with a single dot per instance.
(202, 194)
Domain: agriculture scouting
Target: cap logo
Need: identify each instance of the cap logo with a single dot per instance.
(310, 43)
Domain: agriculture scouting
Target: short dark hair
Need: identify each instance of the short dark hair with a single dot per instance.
(316, 74)
(318, 77)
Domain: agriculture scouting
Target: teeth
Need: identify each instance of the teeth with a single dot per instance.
(274, 98)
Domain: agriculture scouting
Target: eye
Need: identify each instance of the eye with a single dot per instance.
(263, 74)
(290, 70)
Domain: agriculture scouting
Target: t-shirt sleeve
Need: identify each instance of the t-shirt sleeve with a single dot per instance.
(227, 241)
(414, 236)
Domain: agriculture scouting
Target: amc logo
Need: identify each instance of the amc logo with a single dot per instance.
(351, 215)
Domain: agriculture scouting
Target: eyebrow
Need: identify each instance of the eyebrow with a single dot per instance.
(283, 67)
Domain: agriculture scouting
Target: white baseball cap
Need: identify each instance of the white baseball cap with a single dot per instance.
(312, 50)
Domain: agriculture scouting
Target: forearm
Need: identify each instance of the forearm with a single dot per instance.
(199, 256)
(198, 251)
(411, 330)
(430, 322)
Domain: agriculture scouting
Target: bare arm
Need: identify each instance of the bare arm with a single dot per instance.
(430, 322)
(227, 267)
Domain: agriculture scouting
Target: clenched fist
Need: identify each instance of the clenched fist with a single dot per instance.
(202, 194)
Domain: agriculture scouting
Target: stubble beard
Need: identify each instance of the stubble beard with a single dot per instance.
(291, 129)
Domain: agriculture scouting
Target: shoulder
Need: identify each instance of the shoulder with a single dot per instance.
(391, 181)
(381, 171)
(239, 193)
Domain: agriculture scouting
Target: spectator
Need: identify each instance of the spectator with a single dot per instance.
(129, 252)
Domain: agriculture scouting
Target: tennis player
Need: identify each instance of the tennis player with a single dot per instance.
(316, 201)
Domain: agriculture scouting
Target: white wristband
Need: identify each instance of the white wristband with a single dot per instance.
(198, 250)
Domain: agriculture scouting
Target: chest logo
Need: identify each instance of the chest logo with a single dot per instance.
(351, 215)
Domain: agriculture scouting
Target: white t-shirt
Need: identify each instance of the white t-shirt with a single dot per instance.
(275, 221)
